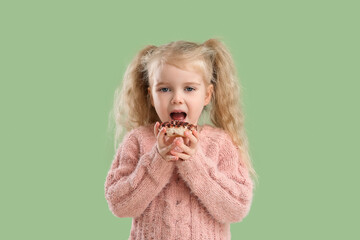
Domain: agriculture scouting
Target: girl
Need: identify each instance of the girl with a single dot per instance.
(180, 188)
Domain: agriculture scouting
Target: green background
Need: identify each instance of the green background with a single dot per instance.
(61, 61)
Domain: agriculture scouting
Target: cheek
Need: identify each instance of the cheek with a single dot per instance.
(156, 97)
(159, 101)
(202, 96)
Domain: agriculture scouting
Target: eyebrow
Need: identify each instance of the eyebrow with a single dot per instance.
(192, 83)
(186, 83)
(161, 83)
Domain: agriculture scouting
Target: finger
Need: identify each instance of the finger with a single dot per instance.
(170, 147)
(186, 141)
(171, 158)
(185, 148)
(193, 136)
(166, 150)
(169, 140)
(182, 156)
(196, 134)
(160, 137)
(156, 128)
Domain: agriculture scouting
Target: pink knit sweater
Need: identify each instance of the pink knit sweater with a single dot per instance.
(194, 199)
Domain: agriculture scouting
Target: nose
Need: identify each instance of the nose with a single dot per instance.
(177, 98)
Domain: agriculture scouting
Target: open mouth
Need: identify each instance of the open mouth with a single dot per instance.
(179, 116)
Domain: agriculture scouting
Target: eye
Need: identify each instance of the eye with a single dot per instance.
(164, 89)
(189, 89)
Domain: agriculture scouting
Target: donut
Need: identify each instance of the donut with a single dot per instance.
(177, 128)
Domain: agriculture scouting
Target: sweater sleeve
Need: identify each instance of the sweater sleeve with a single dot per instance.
(223, 187)
(133, 181)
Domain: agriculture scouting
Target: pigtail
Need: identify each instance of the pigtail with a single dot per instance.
(227, 109)
(225, 87)
(132, 107)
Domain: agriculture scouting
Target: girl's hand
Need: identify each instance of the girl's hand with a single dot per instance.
(189, 149)
(164, 144)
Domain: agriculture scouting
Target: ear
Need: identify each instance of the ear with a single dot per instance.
(150, 95)
(208, 94)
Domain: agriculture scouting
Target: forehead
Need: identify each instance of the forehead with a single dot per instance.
(180, 70)
(171, 73)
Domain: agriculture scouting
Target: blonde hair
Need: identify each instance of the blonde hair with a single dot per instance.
(132, 106)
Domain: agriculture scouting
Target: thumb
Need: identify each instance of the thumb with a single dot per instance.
(156, 128)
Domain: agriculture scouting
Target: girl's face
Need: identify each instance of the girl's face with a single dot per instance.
(178, 94)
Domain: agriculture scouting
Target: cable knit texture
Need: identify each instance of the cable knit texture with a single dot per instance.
(193, 199)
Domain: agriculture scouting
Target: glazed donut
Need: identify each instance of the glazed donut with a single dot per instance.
(177, 128)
